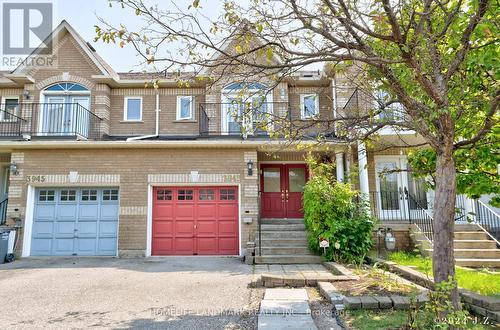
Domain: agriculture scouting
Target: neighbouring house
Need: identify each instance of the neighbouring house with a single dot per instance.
(94, 163)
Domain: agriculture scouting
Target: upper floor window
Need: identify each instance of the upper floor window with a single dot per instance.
(389, 111)
(133, 109)
(185, 107)
(309, 105)
(9, 106)
(66, 87)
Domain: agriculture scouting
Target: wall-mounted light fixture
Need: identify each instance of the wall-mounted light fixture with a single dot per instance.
(13, 169)
(250, 167)
(26, 94)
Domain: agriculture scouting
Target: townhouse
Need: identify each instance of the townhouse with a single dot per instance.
(95, 163)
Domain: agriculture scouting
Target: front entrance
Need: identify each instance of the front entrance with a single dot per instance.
(399, 196)
(282, 187)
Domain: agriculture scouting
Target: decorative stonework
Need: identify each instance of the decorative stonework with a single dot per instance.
(133, 210)
(80, 179)
(188, 178)
(17, 157)
(59, 78)
(152, 91)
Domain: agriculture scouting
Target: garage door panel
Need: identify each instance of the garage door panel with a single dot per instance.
(87, 228)
(43, 228)
(164, 211)
(228, 228)
(228, 211)
(42, 245)
(206, 246)
(109, 212)
(106, 246)
(75, 221)
(207, 211)
(196, 226)
(184, 228)
(163, 245)
(86, 246)
(108, 228)
(88, 211)
(67, 212)
(206, 228)
(185, 211)
(184, 245)
(64, 228)
(63, 246)
(45, 212)
(228, 245)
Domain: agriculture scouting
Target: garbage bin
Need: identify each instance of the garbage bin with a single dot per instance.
(4, 245)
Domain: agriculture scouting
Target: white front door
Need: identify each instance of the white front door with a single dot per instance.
(399, 196)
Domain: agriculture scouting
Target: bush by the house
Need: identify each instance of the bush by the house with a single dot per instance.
(333, 212)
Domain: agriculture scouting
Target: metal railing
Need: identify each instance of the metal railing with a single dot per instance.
(488, 219)
(63, 119)
(10, 124)
(49, 120)
(242, 118)
(3, 211)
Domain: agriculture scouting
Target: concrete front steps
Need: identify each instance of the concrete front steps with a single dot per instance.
(473, 247)
(284, 241)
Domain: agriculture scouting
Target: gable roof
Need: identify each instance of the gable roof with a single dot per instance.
(64, 26)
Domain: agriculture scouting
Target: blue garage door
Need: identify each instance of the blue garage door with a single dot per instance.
(75, 221)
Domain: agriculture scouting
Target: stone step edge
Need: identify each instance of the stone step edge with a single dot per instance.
(297, 281)
(331, 294)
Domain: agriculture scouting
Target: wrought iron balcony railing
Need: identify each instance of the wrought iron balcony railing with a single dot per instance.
(49, 120)
(242, 118)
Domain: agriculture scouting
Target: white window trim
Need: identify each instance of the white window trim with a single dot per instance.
(316, 104)
(191, 111)
(2, 101)
(125, 108)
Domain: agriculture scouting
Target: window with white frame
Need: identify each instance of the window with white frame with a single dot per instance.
(132, 109)
(9, 107)
(185, 107)
(309, 105)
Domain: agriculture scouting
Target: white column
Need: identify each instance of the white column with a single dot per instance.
(363, 169)
(348, 164)
(339, 160)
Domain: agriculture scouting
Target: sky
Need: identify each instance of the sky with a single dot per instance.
(83, 15)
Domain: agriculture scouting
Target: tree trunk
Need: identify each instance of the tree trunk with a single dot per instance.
(444, 220)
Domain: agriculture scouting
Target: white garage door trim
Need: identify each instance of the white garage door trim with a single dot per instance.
(30, 207)
(149, 220)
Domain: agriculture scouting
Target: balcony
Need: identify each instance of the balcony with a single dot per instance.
(62, 120)
(244, 119)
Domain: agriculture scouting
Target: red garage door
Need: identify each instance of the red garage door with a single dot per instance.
(195, 221)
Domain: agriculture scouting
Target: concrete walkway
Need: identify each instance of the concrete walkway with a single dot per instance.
(285, 309)
(299, 275)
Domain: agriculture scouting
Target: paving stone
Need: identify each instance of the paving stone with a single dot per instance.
(326, 289)
(493, 304)
(286, 294)
(290, 307)
(493, 315)
(422, 298)
(384, 302)
(400, 302)
(337, 298)
(352, 302)
(368, 302)
(477, 310)
(288, 322)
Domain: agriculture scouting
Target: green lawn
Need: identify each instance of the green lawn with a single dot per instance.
(394, 319)
(481, 281)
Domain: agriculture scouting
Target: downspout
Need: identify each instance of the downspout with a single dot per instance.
(157, 124)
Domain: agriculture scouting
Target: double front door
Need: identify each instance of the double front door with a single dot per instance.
(282, 187)
(65, 115)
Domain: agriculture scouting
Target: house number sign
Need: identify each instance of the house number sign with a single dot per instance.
(35, 178)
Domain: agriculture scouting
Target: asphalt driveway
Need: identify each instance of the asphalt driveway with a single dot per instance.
(174, 292)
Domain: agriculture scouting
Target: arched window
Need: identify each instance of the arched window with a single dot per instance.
(66, 87)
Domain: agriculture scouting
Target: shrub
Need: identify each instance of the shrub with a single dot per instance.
(331, 212)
